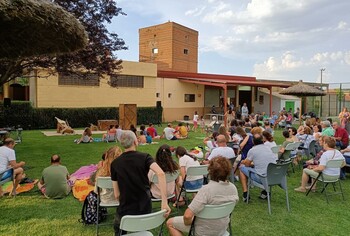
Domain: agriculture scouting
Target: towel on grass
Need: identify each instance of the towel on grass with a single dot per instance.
(21, 188)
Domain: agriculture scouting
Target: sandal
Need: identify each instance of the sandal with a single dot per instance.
(179, 203)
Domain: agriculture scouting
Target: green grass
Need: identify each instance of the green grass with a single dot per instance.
(30, 214)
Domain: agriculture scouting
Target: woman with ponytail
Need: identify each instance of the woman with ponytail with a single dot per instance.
(168, 165)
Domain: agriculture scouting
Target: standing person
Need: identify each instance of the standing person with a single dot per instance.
(344, 117)
(8, 158)
(202, 124)
(54, 181)
(244, 110)
(195, 121)
(217, 191)
(130, 181)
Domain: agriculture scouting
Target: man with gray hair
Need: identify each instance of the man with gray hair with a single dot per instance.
(130, 181)
(327, 130)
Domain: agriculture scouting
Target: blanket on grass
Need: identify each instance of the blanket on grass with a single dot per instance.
(80, 181)
(21, 188)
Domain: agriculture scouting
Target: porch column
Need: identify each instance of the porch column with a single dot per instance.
(6, 90)
(270, 88)
(225, 104)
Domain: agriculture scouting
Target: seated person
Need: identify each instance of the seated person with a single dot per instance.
(111, 134)
(288, 140)
(182, 130)
(86, 137)
(261, 155)
(341, 136)
(107, 195)
(170, 133)
(142, 138)
(186, 160)
(133, 129)
(168, 165)
(328, 173)
(148, 138)
(346, 154)
(8, 159)
(54, 180)
(219, 169)
(152, 131)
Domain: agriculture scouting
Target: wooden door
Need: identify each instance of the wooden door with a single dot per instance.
(127, 115)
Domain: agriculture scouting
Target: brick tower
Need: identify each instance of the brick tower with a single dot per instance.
(172, 46)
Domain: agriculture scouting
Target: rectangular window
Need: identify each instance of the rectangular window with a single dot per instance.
(78, 80)
(261, 100)
(185, 51)
(154, 50)
(157, 95)
(190, 98)
(127, 81)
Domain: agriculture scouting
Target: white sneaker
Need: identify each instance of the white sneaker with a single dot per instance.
(237, 178)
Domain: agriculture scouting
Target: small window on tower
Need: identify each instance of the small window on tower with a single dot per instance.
(185, 51)
(154, 50)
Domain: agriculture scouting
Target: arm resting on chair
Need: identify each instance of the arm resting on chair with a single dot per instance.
(188, 216)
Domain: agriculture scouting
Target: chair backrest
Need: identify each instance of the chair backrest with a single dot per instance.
(275, 149)
(104, 182)
(135, 223)
(6, 176)
(216, 127)
(276, 172)
(290, 147)
(296, 145)
(197, 170)
(170, 177)
(216, 211)
(287, 151)
(312, 148)
(334, 163)
(230, 144)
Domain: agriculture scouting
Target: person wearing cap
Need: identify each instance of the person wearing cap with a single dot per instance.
(54, 181)
(8, 159)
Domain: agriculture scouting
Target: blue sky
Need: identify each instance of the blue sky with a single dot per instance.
(270, 39)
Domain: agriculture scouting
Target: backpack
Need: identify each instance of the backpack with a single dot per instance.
(89, 211)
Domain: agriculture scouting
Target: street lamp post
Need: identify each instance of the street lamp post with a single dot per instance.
(322, 69)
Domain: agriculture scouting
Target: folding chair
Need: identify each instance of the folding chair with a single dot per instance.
(142, 223)
(193, 171)
(6, 176)
(103, 183)
(170, 177)
(276, 175)
(212, 212)
(320, 177)
(310, 152)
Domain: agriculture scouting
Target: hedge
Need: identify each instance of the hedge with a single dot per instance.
(23, 114)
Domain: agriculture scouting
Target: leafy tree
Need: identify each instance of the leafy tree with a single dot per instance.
(98, 57)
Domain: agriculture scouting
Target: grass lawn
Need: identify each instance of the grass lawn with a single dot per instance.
(30, 214)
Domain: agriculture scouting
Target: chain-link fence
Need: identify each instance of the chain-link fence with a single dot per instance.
(338, 96)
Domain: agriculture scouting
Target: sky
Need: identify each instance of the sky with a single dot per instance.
(270, 39)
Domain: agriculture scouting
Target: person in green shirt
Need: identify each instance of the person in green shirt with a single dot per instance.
(53, 183)
(327, 130)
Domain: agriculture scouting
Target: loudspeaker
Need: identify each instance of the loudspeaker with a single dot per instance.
(7, 102)
(159, 104)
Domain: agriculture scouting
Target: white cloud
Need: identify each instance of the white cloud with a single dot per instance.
(342, 25)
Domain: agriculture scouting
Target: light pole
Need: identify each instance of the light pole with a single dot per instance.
(322, 69)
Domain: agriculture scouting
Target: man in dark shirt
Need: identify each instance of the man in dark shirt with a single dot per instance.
(130, 182)
(341, 136)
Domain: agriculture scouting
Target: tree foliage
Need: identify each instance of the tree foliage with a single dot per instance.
(98, 57)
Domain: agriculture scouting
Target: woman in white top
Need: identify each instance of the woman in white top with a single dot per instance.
(186, 160)
(268, 140)
(329, 174)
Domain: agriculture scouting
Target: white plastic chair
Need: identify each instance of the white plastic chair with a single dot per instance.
(193, 171)
(320, 177)
(212, 212)
(142, 223)
(170, 177)
(103, 183)
(276, 175)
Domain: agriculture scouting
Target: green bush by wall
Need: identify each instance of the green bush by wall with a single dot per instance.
(23, 114)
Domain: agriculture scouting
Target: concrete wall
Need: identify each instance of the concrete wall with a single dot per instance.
(49, 94)
(277, 103)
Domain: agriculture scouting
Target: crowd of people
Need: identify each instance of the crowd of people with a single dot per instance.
(243, 147)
